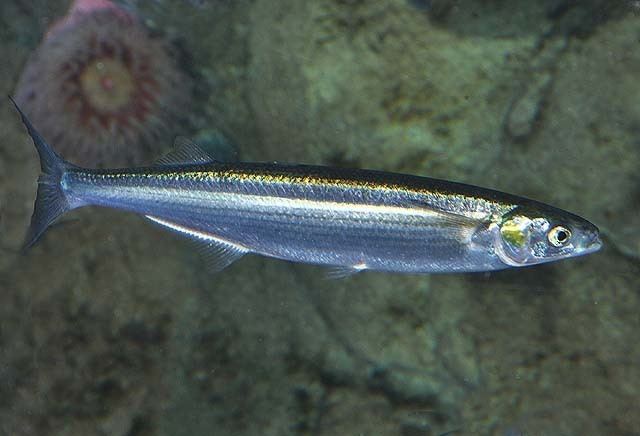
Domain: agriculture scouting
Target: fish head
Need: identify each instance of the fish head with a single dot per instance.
(537, 233)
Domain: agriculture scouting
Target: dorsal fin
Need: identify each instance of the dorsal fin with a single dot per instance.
(185, 152)
(211, 146)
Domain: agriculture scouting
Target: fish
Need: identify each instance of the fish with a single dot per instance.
(349, 220)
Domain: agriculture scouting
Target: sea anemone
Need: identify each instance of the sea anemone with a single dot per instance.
(101, 89)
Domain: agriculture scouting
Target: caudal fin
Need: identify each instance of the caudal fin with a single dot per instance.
(51, 202)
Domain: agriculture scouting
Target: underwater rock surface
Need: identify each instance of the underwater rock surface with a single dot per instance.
(111, 326)
(378, 85)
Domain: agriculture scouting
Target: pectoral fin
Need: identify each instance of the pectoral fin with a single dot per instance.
(459, 226)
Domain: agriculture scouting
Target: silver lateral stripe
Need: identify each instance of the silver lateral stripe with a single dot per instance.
(283, 203)
(250, 201)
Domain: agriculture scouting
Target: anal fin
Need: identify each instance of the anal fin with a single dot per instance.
(217, 252)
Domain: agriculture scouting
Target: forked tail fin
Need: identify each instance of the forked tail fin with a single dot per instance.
(51, 201)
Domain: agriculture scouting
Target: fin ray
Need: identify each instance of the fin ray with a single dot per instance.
(51, 201)
(187, 151)
(217, 252)
(343, 271)
(462, 226)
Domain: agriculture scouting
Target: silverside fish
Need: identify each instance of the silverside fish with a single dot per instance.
(349, 219)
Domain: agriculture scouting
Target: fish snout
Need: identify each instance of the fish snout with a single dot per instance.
(591, 241)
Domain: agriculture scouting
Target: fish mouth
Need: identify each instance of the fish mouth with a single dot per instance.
(594, 243)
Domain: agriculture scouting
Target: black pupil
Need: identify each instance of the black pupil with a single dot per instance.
(562, 236)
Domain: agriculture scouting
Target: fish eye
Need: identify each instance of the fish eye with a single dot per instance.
(558, 236)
